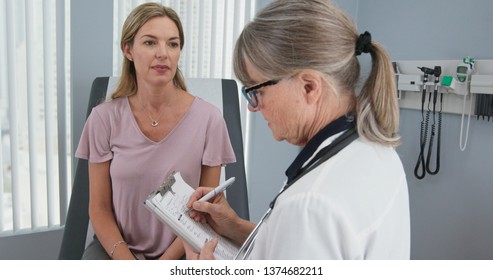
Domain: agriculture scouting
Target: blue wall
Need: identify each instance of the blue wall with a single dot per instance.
(451, 212)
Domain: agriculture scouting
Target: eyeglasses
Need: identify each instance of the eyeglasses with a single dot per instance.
(250, 93)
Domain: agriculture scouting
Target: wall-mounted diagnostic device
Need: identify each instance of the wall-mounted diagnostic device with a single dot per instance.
(462, 72)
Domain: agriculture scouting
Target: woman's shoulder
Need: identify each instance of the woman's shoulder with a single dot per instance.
(111, 106)
(108, 111)
(205, 107)
(111, 103)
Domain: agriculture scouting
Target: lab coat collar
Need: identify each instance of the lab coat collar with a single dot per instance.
(337, 126)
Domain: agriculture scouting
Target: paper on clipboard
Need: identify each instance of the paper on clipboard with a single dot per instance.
(168, 203)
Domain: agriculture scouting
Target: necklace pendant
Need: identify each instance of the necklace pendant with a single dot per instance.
(154, 123)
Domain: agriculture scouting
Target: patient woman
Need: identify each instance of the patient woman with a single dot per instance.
(150, 127)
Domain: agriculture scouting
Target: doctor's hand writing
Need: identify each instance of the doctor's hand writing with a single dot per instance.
(219, 215)
(216, 212)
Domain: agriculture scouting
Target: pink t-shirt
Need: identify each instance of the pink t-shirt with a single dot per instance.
(139, 165)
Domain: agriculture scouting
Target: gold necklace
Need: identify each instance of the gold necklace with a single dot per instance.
(154, 122)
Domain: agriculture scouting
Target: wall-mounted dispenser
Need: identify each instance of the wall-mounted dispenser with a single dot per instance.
(482, 84)
(409, 82)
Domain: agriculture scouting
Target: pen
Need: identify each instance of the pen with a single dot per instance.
(218, 189)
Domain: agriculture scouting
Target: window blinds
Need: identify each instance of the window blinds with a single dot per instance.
(34, 154)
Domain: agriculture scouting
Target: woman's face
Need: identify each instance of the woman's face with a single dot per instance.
(282, 106)
(155, 51)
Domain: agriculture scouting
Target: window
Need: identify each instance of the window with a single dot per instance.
(34, 110)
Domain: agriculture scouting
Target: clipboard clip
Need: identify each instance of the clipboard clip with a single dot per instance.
(166, 185)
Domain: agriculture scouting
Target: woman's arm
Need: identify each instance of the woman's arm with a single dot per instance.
(175, 251)
(210, 176)
(101, 212)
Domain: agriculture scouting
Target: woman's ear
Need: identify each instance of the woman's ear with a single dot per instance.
(312, 86)
(127, 52)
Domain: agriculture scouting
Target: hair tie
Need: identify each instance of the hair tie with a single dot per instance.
(363, 44)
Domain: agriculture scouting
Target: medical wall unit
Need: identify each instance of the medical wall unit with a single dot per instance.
(435, 87)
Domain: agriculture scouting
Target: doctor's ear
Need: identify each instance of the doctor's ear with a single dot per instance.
(312, 82)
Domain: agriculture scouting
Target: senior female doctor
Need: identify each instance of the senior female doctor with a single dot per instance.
(346, 193)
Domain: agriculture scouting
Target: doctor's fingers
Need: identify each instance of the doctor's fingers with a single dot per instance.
(199, 192)
(219, 210)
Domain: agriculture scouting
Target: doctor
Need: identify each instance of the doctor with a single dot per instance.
(346, 193)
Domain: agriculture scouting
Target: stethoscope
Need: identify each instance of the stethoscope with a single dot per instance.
(323, 155)
(247, 246)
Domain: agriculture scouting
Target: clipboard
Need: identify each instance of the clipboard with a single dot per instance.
(168, 204)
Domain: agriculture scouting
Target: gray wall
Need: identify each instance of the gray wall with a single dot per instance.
(451, 212)
(91, 54)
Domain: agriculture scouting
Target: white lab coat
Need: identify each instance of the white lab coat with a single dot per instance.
(353, 206)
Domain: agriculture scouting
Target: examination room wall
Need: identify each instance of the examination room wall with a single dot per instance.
(451, 212)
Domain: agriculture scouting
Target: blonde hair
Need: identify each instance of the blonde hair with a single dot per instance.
(289, 36)
(135, 20)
